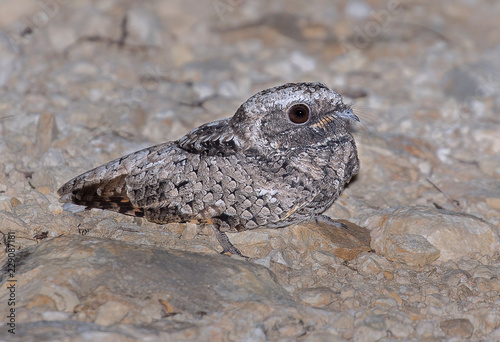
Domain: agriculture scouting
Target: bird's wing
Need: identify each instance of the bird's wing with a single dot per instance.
(144, 183)
(105, 187)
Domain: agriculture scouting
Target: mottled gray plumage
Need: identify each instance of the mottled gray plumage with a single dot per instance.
(258, 168)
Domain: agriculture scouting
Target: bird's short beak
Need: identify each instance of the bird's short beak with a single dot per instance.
(349, 114)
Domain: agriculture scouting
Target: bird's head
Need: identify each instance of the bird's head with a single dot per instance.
(293, 115)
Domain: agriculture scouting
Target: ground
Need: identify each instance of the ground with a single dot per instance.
(84, 82)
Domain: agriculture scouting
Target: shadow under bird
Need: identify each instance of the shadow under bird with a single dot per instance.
(283, 158)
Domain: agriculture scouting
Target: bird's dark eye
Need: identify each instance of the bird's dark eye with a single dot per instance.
(299, 113)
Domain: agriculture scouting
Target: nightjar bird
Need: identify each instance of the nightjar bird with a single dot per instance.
(283, 158)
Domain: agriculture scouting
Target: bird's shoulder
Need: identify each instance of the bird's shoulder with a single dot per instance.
(216, 138)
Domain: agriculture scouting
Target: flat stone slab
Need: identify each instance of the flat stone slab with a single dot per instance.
(95, 284)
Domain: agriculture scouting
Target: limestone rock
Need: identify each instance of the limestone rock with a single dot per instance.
(454, 235)
(89, 279)
(412, 249)
(341, 242)
(457, 327)
(110, 313)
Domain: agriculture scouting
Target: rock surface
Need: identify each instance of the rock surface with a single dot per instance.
(113, 283)
(420, 235)
(84, 82)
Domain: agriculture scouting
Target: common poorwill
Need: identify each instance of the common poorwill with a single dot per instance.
(283, 158)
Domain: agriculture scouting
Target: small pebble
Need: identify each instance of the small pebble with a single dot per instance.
(110, 313)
